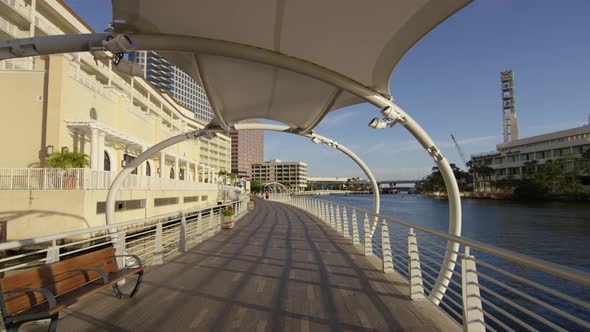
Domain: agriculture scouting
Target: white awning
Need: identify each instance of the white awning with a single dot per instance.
(362, 41)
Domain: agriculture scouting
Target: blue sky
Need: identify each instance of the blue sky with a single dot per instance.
(449, 82)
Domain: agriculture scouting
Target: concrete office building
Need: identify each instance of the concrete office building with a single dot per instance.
(174, 82)
(510, 157)
(292, 174)
(247, 148)
(70, 101)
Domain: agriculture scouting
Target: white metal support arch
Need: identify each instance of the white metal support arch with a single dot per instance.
(321, 139)
(87, 42)
(118, 182)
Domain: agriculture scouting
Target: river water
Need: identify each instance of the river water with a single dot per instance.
(558, 232)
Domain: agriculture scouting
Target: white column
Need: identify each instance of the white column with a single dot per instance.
(202, 173)
(162, 164)
(187, 171)
(141, 168)
(100, 157)
(176, 169)
(94, 148)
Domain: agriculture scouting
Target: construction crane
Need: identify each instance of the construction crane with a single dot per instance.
(461, 152)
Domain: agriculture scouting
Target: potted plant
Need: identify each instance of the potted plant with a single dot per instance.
(228, 216)
(67, 160)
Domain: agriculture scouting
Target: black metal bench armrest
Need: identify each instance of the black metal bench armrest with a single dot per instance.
(45, 292)
(103, 274)
(137, 259)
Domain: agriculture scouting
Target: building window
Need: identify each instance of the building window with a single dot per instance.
(172, 172)
(127, 158)
(148, 169)
(107, 162)
(181, 174)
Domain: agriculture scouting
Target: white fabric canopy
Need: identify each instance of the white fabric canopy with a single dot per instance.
(361, 40)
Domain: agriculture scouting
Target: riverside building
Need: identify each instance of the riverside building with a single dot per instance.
(508, 161)
(175, 82)
(74, 102)
(247, 148)
(293, 174)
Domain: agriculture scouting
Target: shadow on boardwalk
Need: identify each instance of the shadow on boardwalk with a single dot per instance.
(277, 270)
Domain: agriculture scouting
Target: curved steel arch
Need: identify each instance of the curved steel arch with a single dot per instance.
(89, 42)
(275, 184)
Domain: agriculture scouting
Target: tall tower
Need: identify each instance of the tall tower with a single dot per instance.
(509, 119)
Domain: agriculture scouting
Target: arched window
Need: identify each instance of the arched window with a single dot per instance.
(181, 174)
(148, 169)
(107, 162)
(172, 172)
(93, 114)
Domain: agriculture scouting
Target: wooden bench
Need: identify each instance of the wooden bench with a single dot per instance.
(43, 292)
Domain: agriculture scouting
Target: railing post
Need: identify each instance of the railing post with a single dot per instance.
(355, 228)
(119, 244)
(386, 248)
(220, 220)
(199, 229)
(414, 270)
(52, 253)
(182, 239)
(210, 228)
(345, 227)
(473, 319)
(337, 219)
(368, 241)
(323, 212)
(332, 216)
(158, 256)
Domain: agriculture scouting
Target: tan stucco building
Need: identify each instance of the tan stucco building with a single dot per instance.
(79, 103)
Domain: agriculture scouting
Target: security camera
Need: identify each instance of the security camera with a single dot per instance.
(120, 43)
(129, 68)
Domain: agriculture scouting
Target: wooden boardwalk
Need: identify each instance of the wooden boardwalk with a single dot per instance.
(277, 270)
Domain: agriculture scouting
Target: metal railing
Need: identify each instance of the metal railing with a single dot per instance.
(84, 178)
(153, 239)
(20, 6)
(490, 288)
(12, 29)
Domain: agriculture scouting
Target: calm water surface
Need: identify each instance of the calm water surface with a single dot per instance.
(557, 232)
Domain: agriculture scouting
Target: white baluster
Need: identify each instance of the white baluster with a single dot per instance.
(386, 248)
(345, 227)
(473, 319)
(355, 228)
(368, 244)
(182, 234)
(158, 255)
(414, 270)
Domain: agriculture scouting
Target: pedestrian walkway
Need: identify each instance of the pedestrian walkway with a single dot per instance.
(279, 269)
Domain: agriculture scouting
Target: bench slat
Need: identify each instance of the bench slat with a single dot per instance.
(57, 278)
(80, 293)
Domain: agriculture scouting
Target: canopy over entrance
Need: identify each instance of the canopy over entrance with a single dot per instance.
(360, 41)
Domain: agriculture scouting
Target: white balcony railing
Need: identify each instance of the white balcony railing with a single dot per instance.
(20, 6)
(12, 29)
(93, 84)
(83, 178)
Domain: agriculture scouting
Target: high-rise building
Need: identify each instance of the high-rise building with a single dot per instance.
(247, 148)
(175, 82)
(292, 174)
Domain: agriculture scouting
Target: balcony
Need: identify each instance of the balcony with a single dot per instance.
(17, 11)
(9, 30)
(85, 179)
